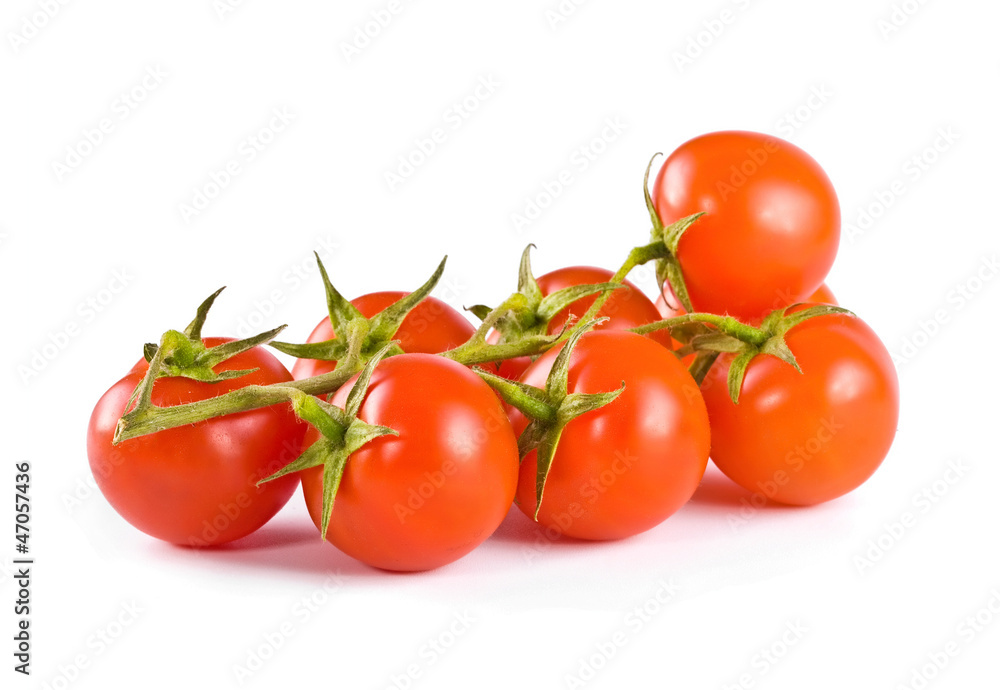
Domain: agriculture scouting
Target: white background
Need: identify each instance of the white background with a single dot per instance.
(537, 612)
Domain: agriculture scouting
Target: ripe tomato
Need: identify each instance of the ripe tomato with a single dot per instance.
(626, 467)
(431, 327)
(771, 225)
(196, 485)
(823, 295)
(433, 493)
(805, 438)
(625, 308)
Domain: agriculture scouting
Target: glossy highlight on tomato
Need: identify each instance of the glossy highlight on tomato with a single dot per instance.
(197, 485)
(771, 226)
(433, 493)
(626, 467)
(431, 327)
(805, 438)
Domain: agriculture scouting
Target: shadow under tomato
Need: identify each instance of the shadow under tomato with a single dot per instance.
(518, 528)
(292, 548)
(716, 489)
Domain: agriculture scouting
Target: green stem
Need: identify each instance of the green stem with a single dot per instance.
(726, 324)
(149, 419)
(637, 257)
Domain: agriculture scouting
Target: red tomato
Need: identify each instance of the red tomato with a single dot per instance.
(771, 225)
(626, 467)
(805, 438)
(196, 485)
(625, 308)
(431, 327)
(822, 296)
(429, 496)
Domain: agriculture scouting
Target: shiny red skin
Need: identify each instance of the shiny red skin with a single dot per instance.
(432, 327)
(823, 295)
(805, 438)
(429, 496)
(625, 308)
(771, 226)
(196, 485)
(624, 468)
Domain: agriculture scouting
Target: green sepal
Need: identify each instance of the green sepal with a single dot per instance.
(342, 434)
(549, 410)
(185, 355)
(385, 324)
(668, 268)
(480, 311)
(476, 350)
(356, 337)
(560, 299)
(725, 334)
(193, 330)
(523, 318)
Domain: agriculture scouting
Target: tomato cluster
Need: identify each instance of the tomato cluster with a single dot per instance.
(579, 400)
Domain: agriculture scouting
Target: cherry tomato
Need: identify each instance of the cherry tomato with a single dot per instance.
(433, 493)
(771, 225)
(626, 467)
(196, 485)
(431, 327)
(805, 438)
(823, 295)
(625, 308)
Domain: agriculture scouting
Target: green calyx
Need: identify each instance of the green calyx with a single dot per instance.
(523, 318)
(726, 334)
(341, 434)
(668, 267)
(358, 338)
(184, 354)
(550, 410)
